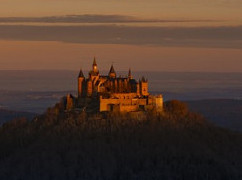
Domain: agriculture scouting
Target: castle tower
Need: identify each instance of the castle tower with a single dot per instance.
(94, 66)
(144, 87)
(69, 102)
(94, 73)
(138, 88)
(115, 85)
(89, 88)
(130, 75)
(159, 103)
(81, 80)
(112, 73)
(125, 86)
(120, 85)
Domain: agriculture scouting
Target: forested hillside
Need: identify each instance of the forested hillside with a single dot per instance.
(175, 145)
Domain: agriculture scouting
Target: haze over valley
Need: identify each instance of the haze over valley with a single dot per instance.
(33, 91)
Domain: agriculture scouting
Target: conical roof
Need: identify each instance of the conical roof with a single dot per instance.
(130, 75)
(81, 74)
(143, 79)
(94, 61)
(112, 70)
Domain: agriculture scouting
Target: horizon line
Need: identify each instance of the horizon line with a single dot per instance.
(73, 70)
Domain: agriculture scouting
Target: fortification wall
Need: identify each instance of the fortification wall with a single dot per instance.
(105, 104)
(123, 104)
(159, 103)
(124, 95)
(128, 108)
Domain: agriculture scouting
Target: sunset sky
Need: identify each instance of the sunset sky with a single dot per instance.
(154, 35)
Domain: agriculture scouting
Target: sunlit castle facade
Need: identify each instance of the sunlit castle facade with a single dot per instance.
(113, 93)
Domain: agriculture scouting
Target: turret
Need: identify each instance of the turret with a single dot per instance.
(144, 87)
(94, 73)
(81, 80)
(69, 102)
(115, 85)
(138, 88)
(130, 75)
(94, 66)
(159, 103)
(112, 73)
(89, 88)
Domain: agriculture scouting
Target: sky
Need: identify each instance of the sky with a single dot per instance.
(154, 35)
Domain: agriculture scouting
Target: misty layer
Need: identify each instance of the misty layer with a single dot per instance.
(89, 18)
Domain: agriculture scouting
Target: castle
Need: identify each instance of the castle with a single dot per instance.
(112, 93)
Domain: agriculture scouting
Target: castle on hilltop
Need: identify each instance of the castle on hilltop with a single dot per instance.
(113, 93)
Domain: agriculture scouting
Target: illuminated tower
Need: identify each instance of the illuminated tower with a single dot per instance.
(89, 88)
(144, 87)
(94, 73)
(112, 73)
(81, 80)
(94, 66)
(130, 75)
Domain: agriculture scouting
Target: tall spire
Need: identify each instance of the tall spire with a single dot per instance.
(130, 75)
(112, 72)
(143, 79)
(112, 69)
(81, 73)
(94, 61)
(94, 66)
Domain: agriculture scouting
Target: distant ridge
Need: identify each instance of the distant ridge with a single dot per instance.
(7, 115)
(224, 112)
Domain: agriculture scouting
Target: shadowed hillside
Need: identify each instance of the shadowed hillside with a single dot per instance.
(176, 145)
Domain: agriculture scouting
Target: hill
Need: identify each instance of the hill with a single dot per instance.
(76, 145)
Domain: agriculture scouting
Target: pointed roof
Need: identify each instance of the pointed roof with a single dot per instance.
(94, 61)
(112, 70)
(130, 75)
(143, 79)
(81, 74)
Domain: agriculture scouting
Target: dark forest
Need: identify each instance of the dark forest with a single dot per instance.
(177, 144)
